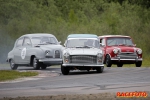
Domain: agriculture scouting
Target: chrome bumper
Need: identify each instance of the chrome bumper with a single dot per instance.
(86, 65)
(55, 61)
(120, 59)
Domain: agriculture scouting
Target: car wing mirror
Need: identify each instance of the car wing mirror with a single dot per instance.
(28, 43)
(59, 42)
(101, 44)
(134, 45)
(65, 44)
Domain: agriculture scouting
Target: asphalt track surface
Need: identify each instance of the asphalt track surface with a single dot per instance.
(52, 82)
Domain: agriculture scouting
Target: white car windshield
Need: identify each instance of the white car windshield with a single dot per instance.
(119, 41)
(82, 43)
(43, 40)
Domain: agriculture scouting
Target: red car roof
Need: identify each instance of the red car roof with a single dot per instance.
(114, 36)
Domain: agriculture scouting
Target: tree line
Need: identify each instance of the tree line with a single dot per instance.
(63, 17)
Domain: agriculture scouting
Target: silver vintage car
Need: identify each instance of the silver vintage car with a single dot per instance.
(39, 50)
(82, 52)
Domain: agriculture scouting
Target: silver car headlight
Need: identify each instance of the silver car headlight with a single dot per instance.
(116, 51)
(47, 52)
(139, 51)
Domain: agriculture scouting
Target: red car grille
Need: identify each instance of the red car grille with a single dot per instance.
(127, 55)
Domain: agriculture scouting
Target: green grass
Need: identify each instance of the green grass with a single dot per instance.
(11, 74)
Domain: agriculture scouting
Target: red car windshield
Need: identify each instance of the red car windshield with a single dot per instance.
(111, 41)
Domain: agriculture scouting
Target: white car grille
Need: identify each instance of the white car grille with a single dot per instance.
(83, 59)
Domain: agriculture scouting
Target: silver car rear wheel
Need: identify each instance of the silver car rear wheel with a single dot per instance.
(13, 65)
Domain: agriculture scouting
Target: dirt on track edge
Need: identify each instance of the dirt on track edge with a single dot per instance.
(99, 96)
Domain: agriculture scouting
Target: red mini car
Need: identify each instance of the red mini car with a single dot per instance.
(119, 50)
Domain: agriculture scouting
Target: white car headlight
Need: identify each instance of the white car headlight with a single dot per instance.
(66, 57)
(99, 57)
(115, 51)
(139, 51)
(66, 54)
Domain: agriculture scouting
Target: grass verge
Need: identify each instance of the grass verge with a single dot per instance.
(11, 74)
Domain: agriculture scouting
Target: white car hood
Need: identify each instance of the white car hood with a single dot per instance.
(83, 51)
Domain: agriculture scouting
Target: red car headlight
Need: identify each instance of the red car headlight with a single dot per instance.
(139, 51)
(116, 51)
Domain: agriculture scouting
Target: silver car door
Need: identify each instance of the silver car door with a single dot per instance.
(27, 47)
(17, 51)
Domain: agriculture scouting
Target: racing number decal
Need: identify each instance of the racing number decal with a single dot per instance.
(23, 53)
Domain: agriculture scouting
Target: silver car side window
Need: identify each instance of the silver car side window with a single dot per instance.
(27, 42)
(53, 40)
(19, 42)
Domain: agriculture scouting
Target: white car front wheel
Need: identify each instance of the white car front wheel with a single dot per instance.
(64, 70)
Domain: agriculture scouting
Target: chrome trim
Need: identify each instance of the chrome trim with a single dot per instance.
(127, 59)
(83, 59)
(87, 65)
(57, 54)
(50, 60)
(127, 55)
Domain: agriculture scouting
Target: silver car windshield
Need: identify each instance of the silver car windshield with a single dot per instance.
(43, 40)
(82, 43)
(119, 41)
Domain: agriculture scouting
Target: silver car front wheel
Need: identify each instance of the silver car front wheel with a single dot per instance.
(13, 65)
(36, 64)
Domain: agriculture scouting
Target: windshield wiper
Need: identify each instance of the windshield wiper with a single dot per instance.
(79, 46)
(86, 46)
(121, 44)
(45, 43)
(130, 45)
(42, 44)
(50, 43)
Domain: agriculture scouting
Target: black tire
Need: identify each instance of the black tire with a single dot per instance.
(64, 70)
(138, 64)
(100, 69)
(13, 66)
(36, 64)
(43, 66)
(108, 61)
(119, 65)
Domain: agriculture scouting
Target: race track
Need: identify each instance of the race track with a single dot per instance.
(52, 82)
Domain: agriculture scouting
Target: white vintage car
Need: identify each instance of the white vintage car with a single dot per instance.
(82, 52)
(39, 50)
